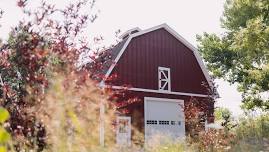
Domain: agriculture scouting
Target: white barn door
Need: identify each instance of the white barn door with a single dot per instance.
(164, 117)
(123, 131)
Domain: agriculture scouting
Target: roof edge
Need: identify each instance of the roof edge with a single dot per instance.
(176, 35)
(129, 32)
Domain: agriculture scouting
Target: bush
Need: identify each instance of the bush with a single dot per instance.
(70, 114)
(252, 134)
(253, 127)
(4, 135)
(215, 140)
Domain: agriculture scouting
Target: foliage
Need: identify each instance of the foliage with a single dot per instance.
(53, 104)
(71, 113)
(222, 113)
(215, 140)
(240, 55)
(253, 127)
(252, 134)
(170, 146)
(197, 112)
(4, 135)
(47, 40)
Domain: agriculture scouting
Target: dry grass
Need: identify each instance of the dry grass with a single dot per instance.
(70, 113)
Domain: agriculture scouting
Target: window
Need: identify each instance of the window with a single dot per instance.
(152, 122)
(163, 122)
(164, 79)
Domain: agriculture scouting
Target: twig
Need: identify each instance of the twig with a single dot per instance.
(1, 80)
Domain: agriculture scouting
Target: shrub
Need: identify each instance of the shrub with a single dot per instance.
(252, 134)
(70, 113)
(250, 127)
(215, 140)
(4, 135)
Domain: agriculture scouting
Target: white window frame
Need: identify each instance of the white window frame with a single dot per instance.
(167, 80)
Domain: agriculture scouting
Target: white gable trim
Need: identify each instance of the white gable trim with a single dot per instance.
(129, 31)
(155, 91)
(176, 35)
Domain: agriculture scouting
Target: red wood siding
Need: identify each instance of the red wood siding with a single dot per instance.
(138, 65)
(136, 110)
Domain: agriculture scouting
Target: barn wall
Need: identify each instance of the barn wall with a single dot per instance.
(136, 110)
(138, 66)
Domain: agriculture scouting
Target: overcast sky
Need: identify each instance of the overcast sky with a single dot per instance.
(187, 17)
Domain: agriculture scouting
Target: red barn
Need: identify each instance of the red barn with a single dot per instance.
(163, 71)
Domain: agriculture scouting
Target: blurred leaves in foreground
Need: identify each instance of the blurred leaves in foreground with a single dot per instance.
(4, 135)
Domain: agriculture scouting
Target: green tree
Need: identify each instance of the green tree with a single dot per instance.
(222, 113)
(240, 55)
(225, 116)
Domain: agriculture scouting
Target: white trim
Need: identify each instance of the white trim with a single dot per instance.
(167, 80)
(155, 91)
(145, 116)
(166, 99)
(195, 52)
(129, 32)
(117, 59)
(176, 35)
(159, 99)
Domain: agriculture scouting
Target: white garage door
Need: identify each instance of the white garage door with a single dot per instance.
(164, 117)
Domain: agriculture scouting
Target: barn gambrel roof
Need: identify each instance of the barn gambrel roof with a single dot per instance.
(119, 49)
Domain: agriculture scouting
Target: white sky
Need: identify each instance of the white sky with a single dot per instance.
(187, 17)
